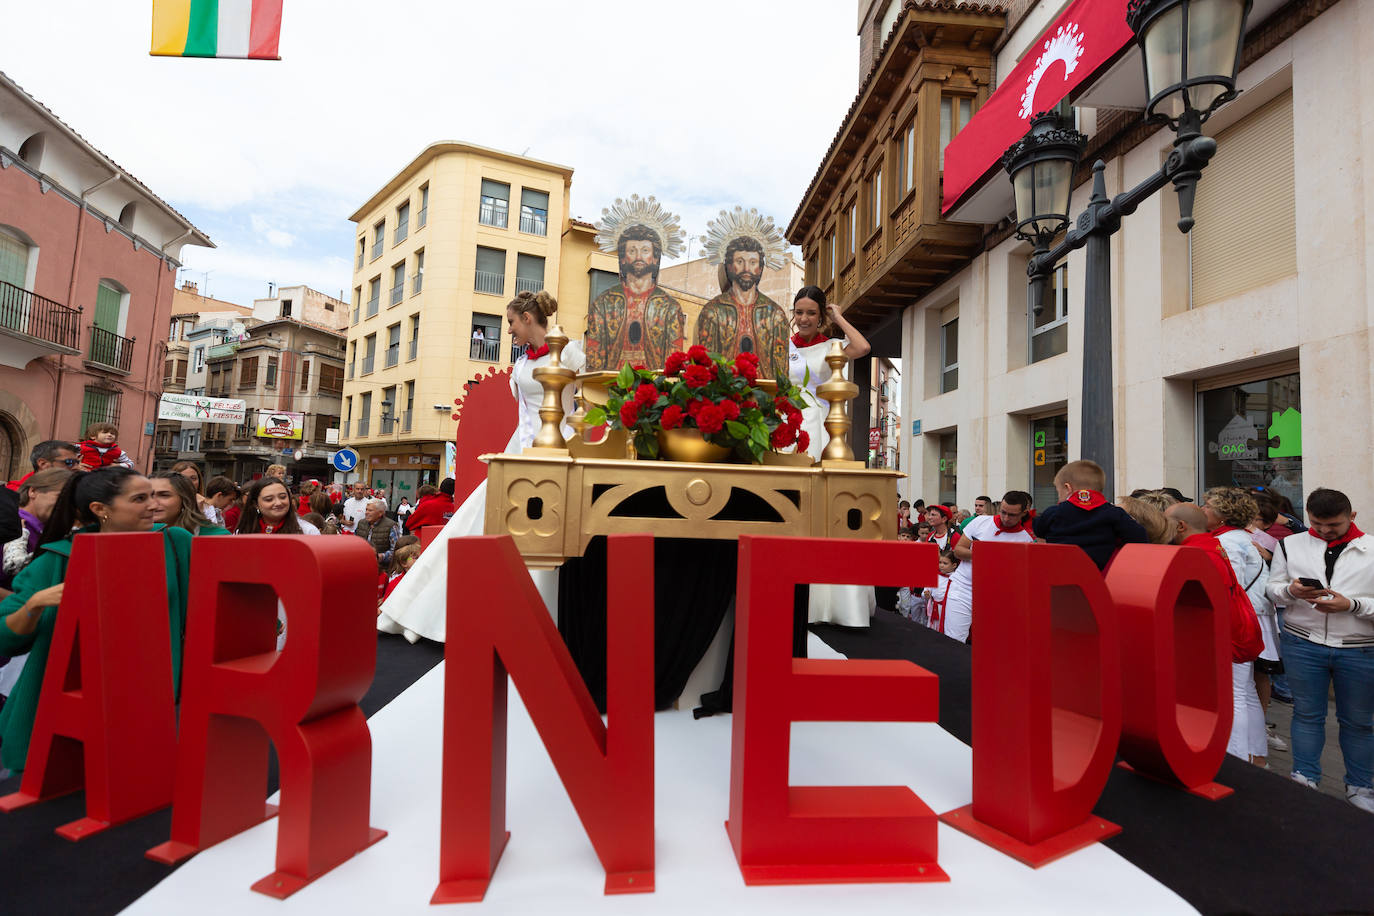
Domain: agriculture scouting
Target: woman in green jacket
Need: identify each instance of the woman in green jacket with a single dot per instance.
(108, 500)
(174, 496)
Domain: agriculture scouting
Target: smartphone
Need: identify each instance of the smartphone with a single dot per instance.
(1309, 582)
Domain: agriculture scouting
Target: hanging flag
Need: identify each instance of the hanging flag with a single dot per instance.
(216, 28)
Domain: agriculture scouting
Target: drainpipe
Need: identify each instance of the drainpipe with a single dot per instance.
(71, 295)
(148, 368)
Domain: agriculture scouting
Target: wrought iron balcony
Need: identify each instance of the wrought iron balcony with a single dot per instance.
(110, 351)
(393, 355)
(535, 223)
(363, 425)
(38, 322)
(369, 363)
(414, 347)
(526, 285)
(405, 420)
(493, 213)
(486, 350)
(372, 305)
(398, 293)
(487, 282)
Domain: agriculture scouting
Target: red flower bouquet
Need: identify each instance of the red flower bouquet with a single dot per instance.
(700, 390)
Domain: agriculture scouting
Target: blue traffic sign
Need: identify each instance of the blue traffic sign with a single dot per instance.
(345, 459)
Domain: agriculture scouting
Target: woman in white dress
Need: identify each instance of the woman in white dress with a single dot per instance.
(418, 605)
(845, 605)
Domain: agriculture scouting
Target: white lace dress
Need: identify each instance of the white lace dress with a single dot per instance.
(417, 606)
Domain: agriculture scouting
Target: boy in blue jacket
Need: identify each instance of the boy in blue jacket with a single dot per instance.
(1084, 517)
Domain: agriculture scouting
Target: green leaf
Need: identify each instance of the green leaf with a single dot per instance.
(759, 435)
(737, 429)
(596, 416)
(626, 377)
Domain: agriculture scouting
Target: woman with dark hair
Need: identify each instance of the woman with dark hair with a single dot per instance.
(269, 509)
(37, 496)
(174, 497)
(418, 606)
(113, 499)
(320, 505)
(813, 321)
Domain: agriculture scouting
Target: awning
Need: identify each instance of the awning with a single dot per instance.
(1083, 41)
(1089, 53)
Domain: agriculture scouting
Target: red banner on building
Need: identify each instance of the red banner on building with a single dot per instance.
(1083, 40)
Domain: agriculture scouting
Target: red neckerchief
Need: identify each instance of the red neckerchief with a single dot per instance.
(264, 528)
(799, 342)
(1346, 538)
(1025, 524)
(535, 354)
(1087, 499)
(1222, 529)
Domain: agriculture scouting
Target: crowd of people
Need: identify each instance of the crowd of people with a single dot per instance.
(89, 487)
(1301, 598)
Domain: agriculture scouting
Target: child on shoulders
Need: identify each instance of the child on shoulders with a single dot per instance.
(1084, 517)
(99, 449)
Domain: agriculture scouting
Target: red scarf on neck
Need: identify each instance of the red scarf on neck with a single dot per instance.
(799, 342)
(1346, 538)
(264, 528)
(1086, 499)
(535, 354)
(1025, 524)
(1222, 529)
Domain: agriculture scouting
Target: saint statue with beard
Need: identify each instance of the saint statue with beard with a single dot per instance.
(636, 321)
(742, 319)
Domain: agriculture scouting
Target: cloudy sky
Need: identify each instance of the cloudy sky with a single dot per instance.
(704, 105)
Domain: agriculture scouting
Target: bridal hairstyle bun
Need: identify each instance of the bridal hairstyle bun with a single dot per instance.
(541, 305)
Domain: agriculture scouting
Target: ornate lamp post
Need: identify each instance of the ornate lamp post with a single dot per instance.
(1191, 50)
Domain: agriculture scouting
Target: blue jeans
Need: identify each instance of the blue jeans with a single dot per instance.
(1311, 669)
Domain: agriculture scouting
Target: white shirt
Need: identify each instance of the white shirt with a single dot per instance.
(353, 511)
(984, 528)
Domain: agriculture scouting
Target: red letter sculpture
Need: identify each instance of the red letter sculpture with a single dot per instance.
(497, 622)
(1046, 700)
(107, 689)
(238, 692)
(786, 834)
(1176, 653)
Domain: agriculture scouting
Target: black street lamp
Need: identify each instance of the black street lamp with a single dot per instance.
(1191, 50)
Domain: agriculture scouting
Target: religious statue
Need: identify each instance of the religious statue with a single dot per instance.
(636, 321)
(742, 319)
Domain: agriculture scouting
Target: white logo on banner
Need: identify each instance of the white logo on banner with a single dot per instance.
(1065, 46)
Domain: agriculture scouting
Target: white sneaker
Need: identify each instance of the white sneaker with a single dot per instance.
(1299, 778)
(1361, 797)
(1275, 741)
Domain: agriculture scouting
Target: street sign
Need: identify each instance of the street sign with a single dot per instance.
(874, 435)
(300, 453)
(915, 427)
(345, 459)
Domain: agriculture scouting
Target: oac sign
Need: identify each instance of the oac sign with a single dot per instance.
(1041, 756)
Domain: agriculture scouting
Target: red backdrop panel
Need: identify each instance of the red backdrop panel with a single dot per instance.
(238, 692)
(497, 623)
(107, 700)
(785, 834)
(1176, 652)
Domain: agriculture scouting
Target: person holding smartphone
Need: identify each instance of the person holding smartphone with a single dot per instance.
(1325, 579)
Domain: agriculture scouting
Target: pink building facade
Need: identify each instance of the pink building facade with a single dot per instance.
(88, 259)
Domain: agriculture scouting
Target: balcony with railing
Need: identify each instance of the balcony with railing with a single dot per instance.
(356, 310)
(488, 282)
(378, 245)
(220, 351)
(405, 420)
(493, 213)
(343, 430)
(486, 350)
(536, 223)
(516, 350)
(388, 425)
(414, 348)
(363, 425)
(373, 305)
(398, 292)
(421, 218)
(110, 351)
(417, 282)
(527, 285)
(32, 326)
(351, 367)
(369, 363)
(393, 356)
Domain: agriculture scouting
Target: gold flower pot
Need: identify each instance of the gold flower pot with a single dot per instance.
(689, 445)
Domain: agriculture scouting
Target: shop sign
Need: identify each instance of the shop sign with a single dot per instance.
(199, 409)
(278, 424)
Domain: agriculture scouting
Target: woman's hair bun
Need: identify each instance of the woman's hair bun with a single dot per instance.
(547, 303)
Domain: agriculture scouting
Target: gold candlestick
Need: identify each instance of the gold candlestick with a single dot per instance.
(554, 377)
(837, 390)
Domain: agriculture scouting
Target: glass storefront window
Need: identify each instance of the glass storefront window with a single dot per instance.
(1049, 453)
(949, 468)
(1250, 435)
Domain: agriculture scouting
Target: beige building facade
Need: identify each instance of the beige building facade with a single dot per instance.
(441, 249)
(1242, 353)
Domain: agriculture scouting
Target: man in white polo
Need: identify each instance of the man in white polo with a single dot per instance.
(1011, 523)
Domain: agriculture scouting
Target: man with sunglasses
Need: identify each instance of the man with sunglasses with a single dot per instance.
(54, 453)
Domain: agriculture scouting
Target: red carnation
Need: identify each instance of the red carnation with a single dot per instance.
(794, 419)
(783, 436)
(747, 371)
(698, 355)
(675, 363)
(710, 419)
(672, 417)
(696, 376)
(694, 406)
(803, 441)
(629, 414)
(747, 357)
(645, 394)
(730, 409)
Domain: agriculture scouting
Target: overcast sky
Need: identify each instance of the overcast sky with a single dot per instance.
(704, 105)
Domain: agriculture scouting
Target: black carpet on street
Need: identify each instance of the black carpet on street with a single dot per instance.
(1272, 847)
